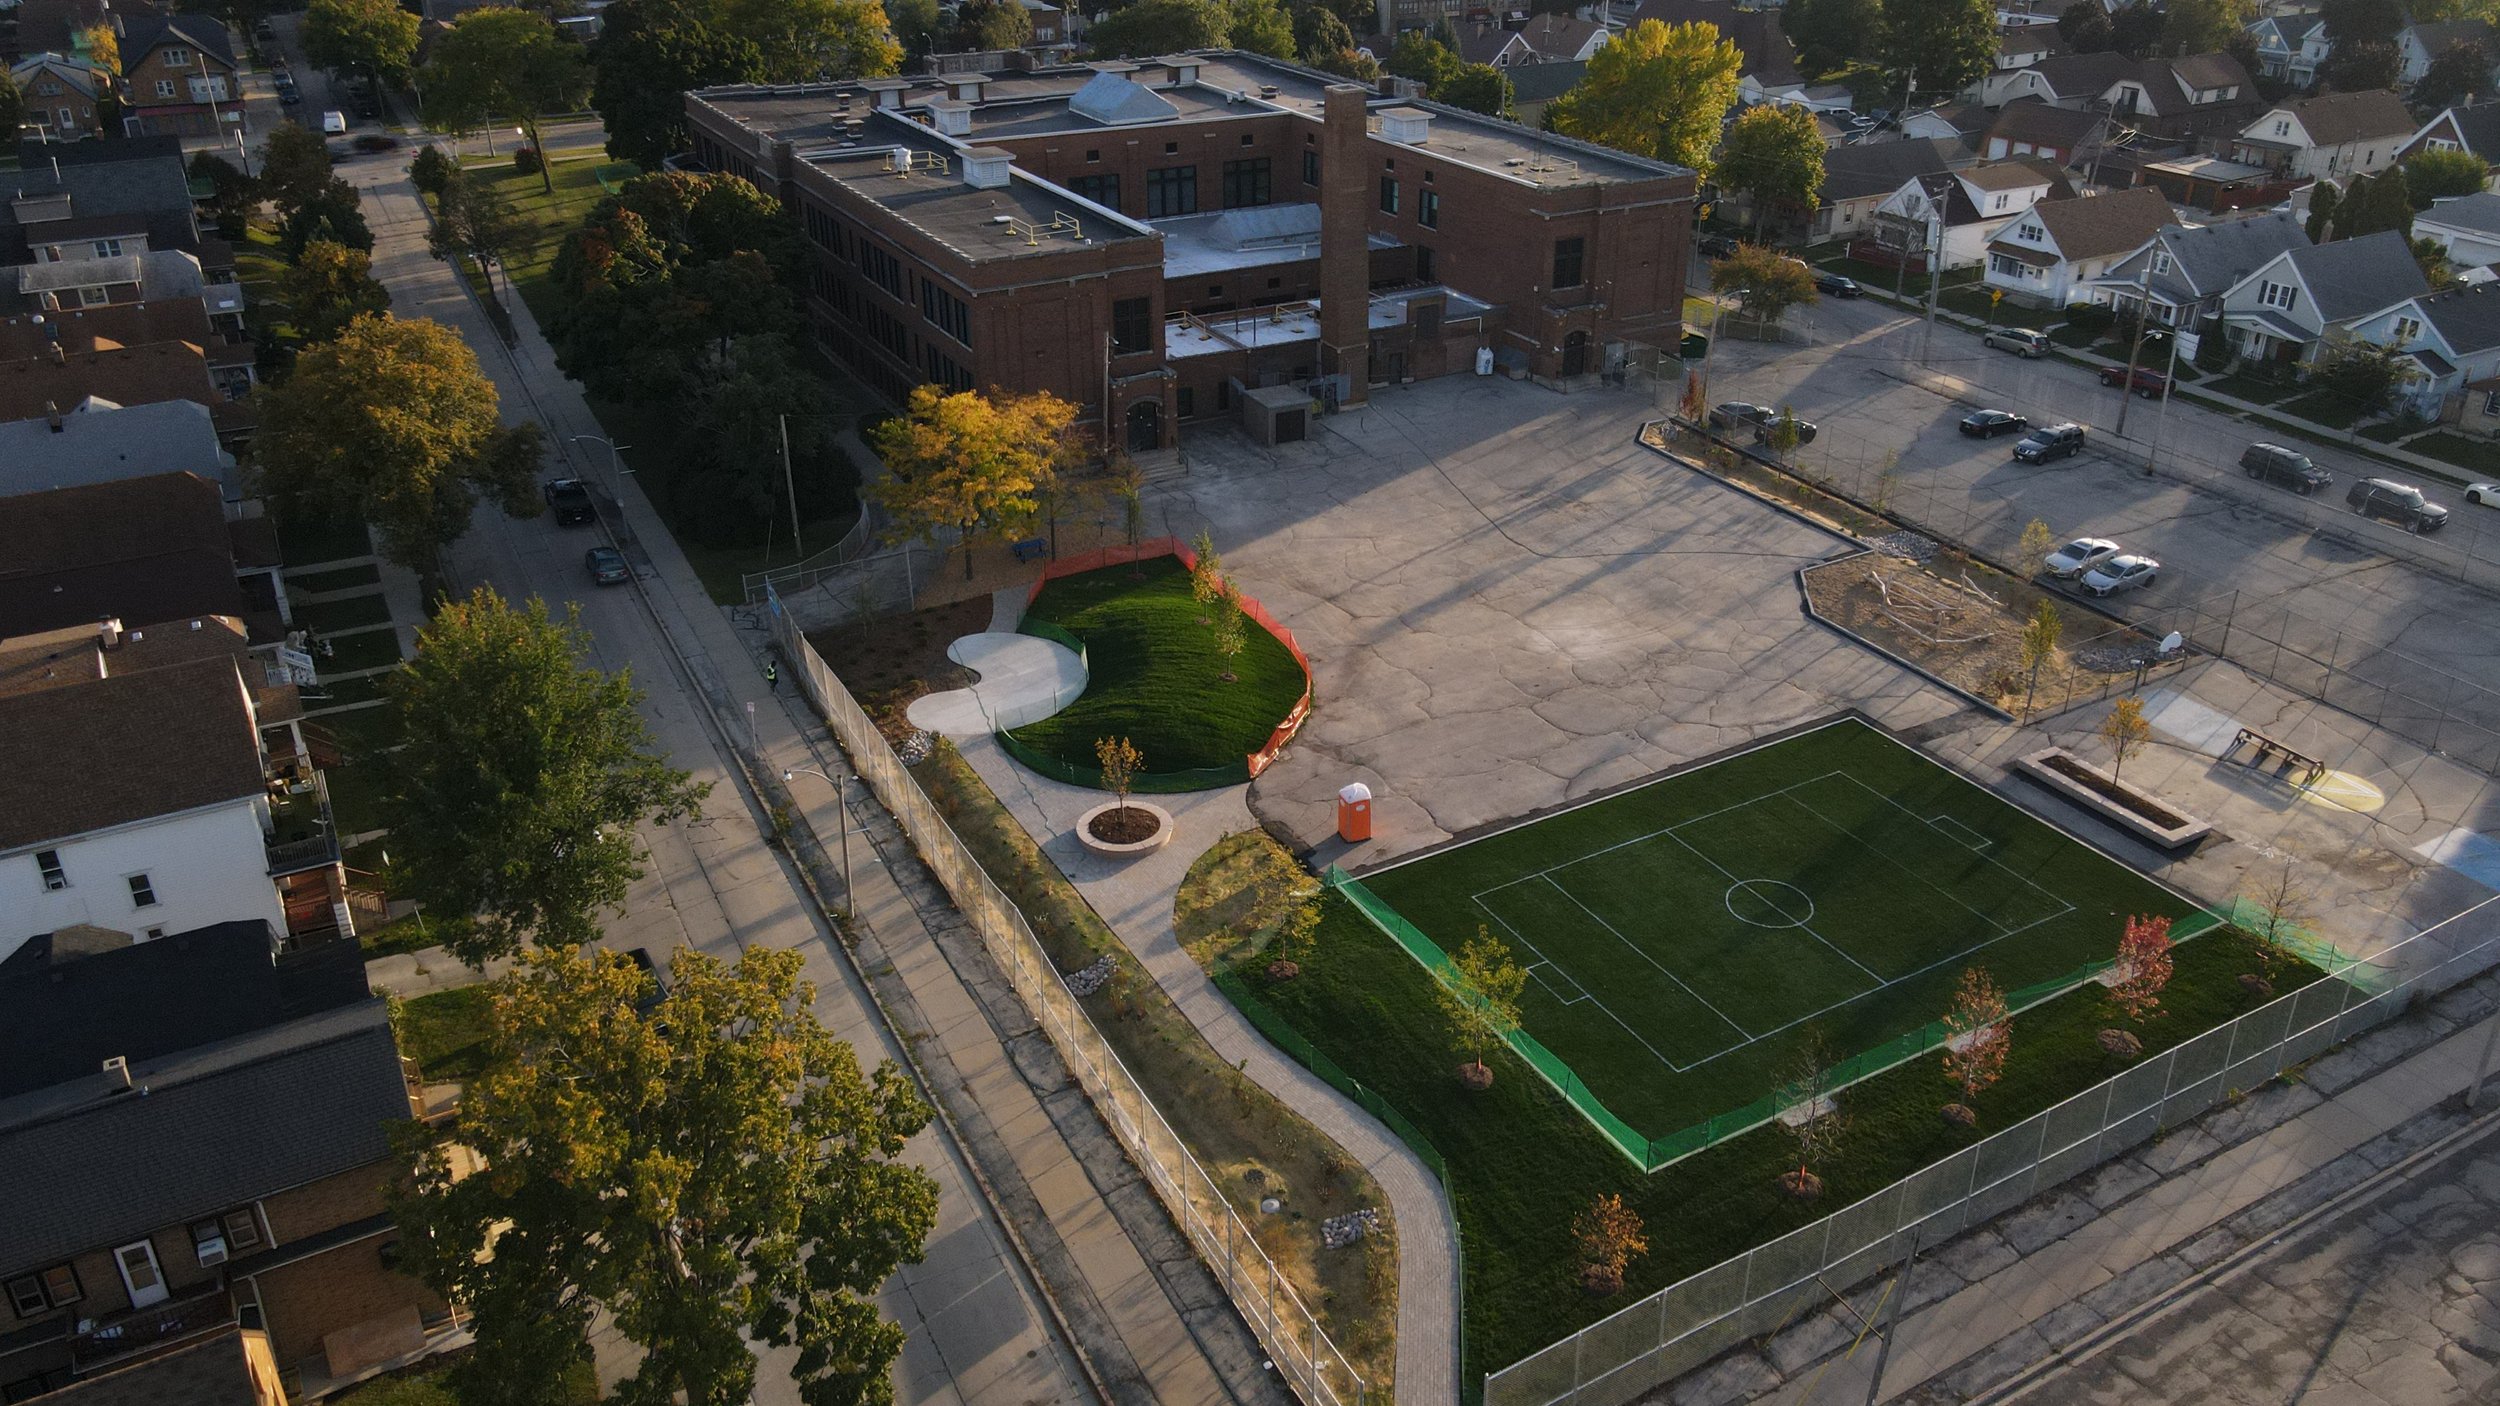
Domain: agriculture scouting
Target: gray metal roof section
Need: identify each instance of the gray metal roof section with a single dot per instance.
(215, 1127)
(1115, 101)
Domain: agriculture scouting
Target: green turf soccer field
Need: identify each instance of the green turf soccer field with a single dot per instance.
(1684, 938)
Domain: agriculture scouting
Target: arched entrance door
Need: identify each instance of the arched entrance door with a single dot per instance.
(1576, 354)
(1145, 425)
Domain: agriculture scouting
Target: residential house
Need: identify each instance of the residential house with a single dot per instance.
(1050, 23)
(2187, 99)
(2334, 137)
(156, 547)
(1533, 88)
(2465, 227)
(181, 78)
(2292, 48)
(1493, 46)
(82, 181)
(103, 444)
(2183, 272)
(158, 276)
(2023, 46)
(1770, 60)
(1964, 122)
(2443, 342)
(2071, 137)
(231, 1366)
(196, 1137)
(2210, 183)
(2418, 44)
(1563, 38)
(77, 330)
(58, 382)
(1947, 220)
(2307, 298)
(1858, 178)
(2475, 129)
(60, 95)
(61, 26)
(2043, 259)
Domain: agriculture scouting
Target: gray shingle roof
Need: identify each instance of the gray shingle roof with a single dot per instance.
(2468, 320)
(99, 446)
(153, 183)
(2351, 277)
(2095, 227)
(218, 1126)
(2210, 258)
(2338, 118)
(1880, 168)
(2479, 211)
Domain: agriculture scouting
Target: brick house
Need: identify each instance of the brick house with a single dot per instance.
(61, 94)
(181, 77)
(180, 1168)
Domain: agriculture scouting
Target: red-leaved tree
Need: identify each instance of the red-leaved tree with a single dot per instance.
(1979, 1032)
(2143, 967)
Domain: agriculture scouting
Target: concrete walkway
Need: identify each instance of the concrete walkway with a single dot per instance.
(1136, 898)
(1024, 679)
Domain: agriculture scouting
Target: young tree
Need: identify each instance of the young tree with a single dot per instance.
(1767, 284)
(1259, 27)
(1121, 761)
(969, 462)
(1610, 1235)
(1979, 1032)
(1479, 995)
(2085, 27)
(1232, 629)
(1297, 933)
(503, 64)
(813, 40)
(1148, 27)
(2432, 259)
(1781, 436)
(374, 35)
(514, 805)
(329, 286)
(1656, 90)
(2273, 911)
(2038, 540)
(1774, 154)
(2126, 731)
(2435, 175)
(432, 171)
(650, 54)
(713, 1171)
(394, 424)
(1948, 44)
(1206, 579)
(475, 219)
(2143, 967)
(2038, 644)
(1812, 1116)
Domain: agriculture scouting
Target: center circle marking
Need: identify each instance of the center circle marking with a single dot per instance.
(1769, 903)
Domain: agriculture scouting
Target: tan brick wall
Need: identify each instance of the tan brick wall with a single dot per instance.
(303, 1302)
(332, 1201)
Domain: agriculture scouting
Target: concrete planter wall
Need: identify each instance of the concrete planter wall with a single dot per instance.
(2054, 768)
(1111, 850)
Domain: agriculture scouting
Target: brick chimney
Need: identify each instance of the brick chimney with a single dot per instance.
(1345, 178)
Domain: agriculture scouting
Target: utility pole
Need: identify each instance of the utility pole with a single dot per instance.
(1901, 270)
(2135, 349)
(1935, 278)
(798, 542)
(2161, 417)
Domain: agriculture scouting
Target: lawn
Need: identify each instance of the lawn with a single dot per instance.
(306, 539)
(1156, 677)
(408, 934)
(2324, 408)
(1973, 302)
(2256, 390)
(258, 267)
(1684, 939)
(445, 1032)
(370, 649)
(346, 578)
(550, 217)
(2477, 456)
(355, 804)
(327, 615)
(1523, 1164)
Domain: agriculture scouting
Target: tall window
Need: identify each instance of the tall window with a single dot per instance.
(1132, 326)
(142, 891)
(1310, 168)
(946, 312)
(1569, 257)
(1388, 195)
(1423, 264)
(1428, 208)
(1171, 190)
(1246, 182)
(1103, 189)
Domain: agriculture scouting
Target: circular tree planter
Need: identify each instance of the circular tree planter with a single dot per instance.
(1119, 831)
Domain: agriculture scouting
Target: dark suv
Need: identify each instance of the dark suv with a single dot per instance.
(2399, 503)
(569, 500)
(2049, 442)
(2288, 467)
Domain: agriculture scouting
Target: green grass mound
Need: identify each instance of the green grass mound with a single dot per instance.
(1157, 679)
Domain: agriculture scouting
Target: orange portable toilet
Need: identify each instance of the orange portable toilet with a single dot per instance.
(1354, 812)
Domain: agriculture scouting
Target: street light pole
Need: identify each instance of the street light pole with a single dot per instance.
(616, 461)
(842, 810)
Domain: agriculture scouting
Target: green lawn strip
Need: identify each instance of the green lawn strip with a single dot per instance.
(368, 650)
(355, 802)
(1973, 302)
(359, 733)
(2477, 456)
(306, 539)
(2323, 408)
(258, 267)
(1523, 1164)
(2256, 390)
(1231, 1125)
(408, 934)
(445, 1032)
(1900, 900)
(1156, 677)
(343, 579)
(2386, 431)
(327, 615)
(550, 217)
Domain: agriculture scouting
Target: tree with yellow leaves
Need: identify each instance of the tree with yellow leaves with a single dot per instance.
(972, 462)
(1659, 90)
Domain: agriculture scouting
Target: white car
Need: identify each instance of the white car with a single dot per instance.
(2124, 572)
(2486, 495)
(334, 123)
(2079, 556)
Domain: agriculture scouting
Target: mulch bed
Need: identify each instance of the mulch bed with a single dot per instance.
(894, 659)
(1125, 825)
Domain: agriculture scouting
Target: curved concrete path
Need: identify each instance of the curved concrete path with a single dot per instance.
(1135, 897)
(1024, 679)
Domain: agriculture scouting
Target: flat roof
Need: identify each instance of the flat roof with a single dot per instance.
(1288, 323)
(1224, 240)
(2209, 168)
(1026, 216)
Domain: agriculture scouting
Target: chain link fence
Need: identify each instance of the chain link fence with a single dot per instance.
(1687, 1323)
(1301, 1350)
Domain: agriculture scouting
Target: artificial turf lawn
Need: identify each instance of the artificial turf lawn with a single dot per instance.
(1522, 1164)
(1156, 678)
(1639, 962)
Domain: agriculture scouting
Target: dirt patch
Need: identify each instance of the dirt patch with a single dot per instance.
(2116, 793)
(1965, 625)
(893, 659)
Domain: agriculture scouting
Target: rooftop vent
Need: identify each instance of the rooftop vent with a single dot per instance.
(117, 1073)
(952, 118)
(986, 167)
(1410, 126)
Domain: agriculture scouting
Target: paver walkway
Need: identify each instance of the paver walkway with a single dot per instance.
(1136, 898)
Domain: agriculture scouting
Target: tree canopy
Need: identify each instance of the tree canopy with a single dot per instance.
(374, 35)
(710, 1167)
(1831, 34)
(1657, 90)
(1774, 154)
(2085, 27)
(503, 63)
(985, 25)
(473, 218)
(1259, 27)
(649, 55)
(329, 286)
(1149, 27)
(1948, 44)
(2204, 26)
(2457, 73)
(810, 40)
(976, 464)
(2437, 175)
(514, 805)
(394, 424)
(1768, 284)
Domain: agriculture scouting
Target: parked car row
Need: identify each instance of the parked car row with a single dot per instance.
(2100, 566)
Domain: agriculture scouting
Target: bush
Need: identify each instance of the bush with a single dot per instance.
(525, 160)
(2213, 347)
(2094, 318)
(431, 171)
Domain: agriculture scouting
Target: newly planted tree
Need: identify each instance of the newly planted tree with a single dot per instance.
(1479, 996)
(707, 1170)
(1610, 1235)
(1979, 1033)
(1232, 629)
(969, 462)
(514, 805)
(2126, 732)
(1121, 762)
(2275, 911)
(2143, 967)
(2037, 541)
(2038, 641)
(1297, 933)
(1206, 576)
(1810, 1115)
